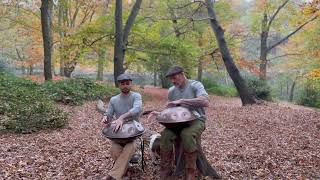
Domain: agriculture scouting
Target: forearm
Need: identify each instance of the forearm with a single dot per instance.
(126, 116)
(201, 101)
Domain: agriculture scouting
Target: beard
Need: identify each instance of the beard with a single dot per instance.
(125, 90)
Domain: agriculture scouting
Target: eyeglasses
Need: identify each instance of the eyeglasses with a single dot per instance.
(124, 82)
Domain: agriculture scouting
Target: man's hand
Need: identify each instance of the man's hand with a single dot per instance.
(105, 120)
(153, 114)
(118, 124)
(174, 103)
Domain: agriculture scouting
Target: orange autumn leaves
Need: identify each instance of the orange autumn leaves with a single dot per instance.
(312, 7)
(315, 74)
(33, 48)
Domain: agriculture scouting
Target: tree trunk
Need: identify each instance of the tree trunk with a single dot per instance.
(101, 60)
(71, 65)
(200, 70)
(154, 76)
(164, 81)
(264, 48)
(21, 58)
(102, 50)
(121, 40)
(241, 85)
(61, 35)
(62, 60)
(127, 28)
(23, 69)
(47, 36)
(69, 68)
(118, 45)
(292, 91)
(226, 77)
(287, 90)
(30, 69)
(263, 65)
(281, 92)
(175, 23)
(162, 71)
(265, 27)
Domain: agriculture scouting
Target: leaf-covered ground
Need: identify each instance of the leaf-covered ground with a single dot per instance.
(269, 141)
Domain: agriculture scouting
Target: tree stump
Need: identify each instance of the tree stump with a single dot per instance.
(203, 166)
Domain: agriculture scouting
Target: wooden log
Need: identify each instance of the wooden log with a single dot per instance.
(203, 165)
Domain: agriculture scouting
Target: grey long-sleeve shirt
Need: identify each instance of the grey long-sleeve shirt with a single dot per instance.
(121, 104)
(192, 89)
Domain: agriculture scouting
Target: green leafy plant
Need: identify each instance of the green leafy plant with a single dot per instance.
(260, 88)
(24, 108)
(311, 94)
(76, 91)
(214, 88)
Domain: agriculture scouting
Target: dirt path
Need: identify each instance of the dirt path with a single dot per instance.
(268, 141)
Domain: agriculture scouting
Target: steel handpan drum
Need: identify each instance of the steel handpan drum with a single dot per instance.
(175, 116)
(130, 130)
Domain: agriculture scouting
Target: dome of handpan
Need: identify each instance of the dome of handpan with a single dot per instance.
(130, 130)
(175, 115)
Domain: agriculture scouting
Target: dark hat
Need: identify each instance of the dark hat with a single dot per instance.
(174, 70)
(124, 77)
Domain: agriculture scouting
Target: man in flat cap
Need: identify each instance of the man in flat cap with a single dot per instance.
(184, 92)
(125, 106)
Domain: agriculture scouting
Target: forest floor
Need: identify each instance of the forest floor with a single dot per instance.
(268, 141)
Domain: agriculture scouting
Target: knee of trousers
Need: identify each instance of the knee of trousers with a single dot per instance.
(131, 147)
(115, 152)
(115, 155)
(167, 138)
(189, 141)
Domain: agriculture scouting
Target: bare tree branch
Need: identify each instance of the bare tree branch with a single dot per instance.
(292, 33)
(178, 28)
(178, 18)
(22, 23)
(96, 40)
(147, 51)
(188, 4)
(87, 14)
(74, 16)
(284, 55)
(211, 52)
(130, 21)
(29, 11)
(19, 55)
(276, 13)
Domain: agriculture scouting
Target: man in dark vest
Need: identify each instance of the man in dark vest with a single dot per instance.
(191, 93)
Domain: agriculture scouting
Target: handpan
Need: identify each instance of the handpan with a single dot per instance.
(130, 131)
(175, 116)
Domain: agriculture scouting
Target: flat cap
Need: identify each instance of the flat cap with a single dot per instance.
(174, 70)
(123, 77)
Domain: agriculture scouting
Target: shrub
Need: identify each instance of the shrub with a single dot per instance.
(24, 108)
(76, 91)
(311, 94)
(214, 88)
(260, 88)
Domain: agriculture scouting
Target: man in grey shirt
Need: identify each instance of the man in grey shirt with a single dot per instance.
(190, 93)
(125, 106)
